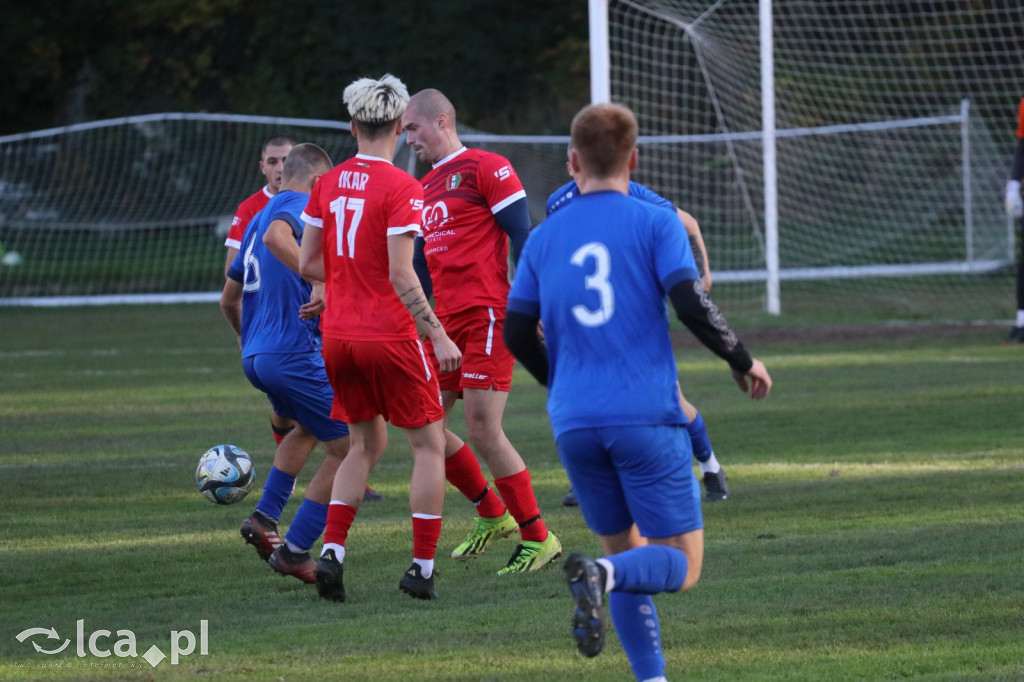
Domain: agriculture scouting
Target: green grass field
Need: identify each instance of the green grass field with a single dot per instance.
(875, 529)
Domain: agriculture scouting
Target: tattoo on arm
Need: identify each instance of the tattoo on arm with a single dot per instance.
(698, 256)
(418, 307)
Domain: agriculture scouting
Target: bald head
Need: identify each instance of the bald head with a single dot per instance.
(429, 125)
(432, 103)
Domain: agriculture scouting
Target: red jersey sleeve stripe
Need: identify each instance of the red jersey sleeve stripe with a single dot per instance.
(404, 228)
(315, 222)
(511, 199)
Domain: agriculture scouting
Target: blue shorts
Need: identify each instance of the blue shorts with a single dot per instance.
(633, 474)
(297, 387)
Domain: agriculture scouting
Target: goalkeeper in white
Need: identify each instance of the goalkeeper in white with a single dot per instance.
(1015, 209)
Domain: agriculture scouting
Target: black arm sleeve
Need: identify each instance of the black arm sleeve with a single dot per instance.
(515, 220)
(1017, 172)
(522, 341)
(702, 317)
(419, 264)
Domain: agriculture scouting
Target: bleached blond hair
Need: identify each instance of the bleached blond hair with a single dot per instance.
(376, 102)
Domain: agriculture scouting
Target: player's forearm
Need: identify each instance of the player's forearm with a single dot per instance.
(282, 244)
(1017, 170)
(702, 317)
(232, 252)
(514, 219)
(521, 339)
(419, 264)
(407, 286)
(700, 252)
(231, 305)
(311, 257)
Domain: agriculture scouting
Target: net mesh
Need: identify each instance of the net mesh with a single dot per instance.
(884, 172)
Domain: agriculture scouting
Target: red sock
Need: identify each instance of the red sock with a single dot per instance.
(280, 433)
(463, 471)
(425, 532)
(339, 520)
(517, 492)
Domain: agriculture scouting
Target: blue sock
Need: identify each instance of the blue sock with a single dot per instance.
(276, 492)
(636, 624)
(308, 524)
(650, 569)
(699, 438)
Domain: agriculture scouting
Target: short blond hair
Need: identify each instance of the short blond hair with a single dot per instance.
(376, 104)
(604, 136)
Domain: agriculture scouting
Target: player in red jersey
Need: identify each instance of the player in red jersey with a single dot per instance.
(1015, 209)
(273, 153)
(361, 222)
(473, 206)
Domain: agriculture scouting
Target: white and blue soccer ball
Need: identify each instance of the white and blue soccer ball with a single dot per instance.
(225, 474)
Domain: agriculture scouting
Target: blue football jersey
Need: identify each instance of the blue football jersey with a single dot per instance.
(271, 292)
(597, 272)
(569, 191)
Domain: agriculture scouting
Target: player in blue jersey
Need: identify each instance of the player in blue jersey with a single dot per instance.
(715, 482)
(596, 274)
(275, 313)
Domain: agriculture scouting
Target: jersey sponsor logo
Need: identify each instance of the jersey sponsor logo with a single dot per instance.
(503, 173)
(435, 216)
(353, 180)
(417, 204)
(453, 181)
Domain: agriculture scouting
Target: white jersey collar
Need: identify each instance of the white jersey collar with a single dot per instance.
(367, 157)
(450, 156)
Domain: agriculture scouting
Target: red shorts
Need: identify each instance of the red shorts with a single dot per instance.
(486, 362)
(389, 378)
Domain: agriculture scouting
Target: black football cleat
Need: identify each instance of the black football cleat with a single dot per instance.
(328, 575)
(415, 585)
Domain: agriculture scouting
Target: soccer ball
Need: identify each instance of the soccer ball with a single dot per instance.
(225, 474)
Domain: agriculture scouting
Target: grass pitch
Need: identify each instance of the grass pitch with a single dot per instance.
(874, 530)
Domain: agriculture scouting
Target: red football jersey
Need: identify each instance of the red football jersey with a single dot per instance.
(1020, 119)
(246, 210)
(358, 204)
(466, 249)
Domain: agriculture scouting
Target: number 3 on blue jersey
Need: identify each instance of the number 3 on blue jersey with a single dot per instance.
(596, 282)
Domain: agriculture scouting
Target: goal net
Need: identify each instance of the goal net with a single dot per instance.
(137, 209)
(134, 208)
(895, 126)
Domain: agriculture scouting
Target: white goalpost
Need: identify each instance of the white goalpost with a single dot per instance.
(856, 142)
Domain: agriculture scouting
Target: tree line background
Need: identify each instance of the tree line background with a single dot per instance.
(520, 66)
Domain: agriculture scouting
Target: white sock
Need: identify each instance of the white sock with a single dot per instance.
(660, 678)
(609, 568)
(711, 466)
(298, 550)
(1020, 318)
(339, 551)
(426, 566)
